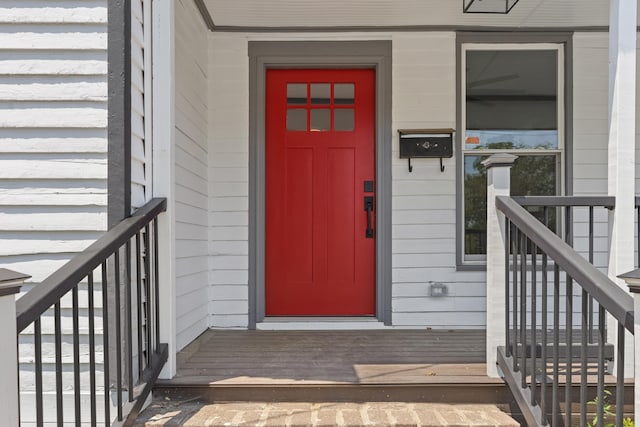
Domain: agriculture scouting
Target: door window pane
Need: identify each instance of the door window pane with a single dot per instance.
(297, 119)
(320, 120)
(343, 93)
(320, 93)
(343, 119)
(296, 93)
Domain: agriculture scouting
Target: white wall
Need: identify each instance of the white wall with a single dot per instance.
(53, 117)
(191, 169)
(53, 155)
(229, 177)
(423, 202)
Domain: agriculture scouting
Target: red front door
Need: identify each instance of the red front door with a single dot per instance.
(320, 238)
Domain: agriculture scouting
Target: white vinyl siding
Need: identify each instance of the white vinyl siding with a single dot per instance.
(53, 157)
(191, 164)
(140, 102)
(229, 177)
(424, 203)
(53, 137)
(591, 131)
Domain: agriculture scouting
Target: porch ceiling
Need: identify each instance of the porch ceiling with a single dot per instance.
(400, 13)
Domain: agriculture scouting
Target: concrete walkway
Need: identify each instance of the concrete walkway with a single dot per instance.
(194, 414)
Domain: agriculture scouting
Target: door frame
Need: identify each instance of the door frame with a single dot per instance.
(331, 55)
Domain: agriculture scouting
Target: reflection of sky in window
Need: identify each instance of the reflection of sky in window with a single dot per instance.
(524, 139)
(469, 167)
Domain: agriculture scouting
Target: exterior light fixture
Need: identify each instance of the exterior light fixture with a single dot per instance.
(488, 6)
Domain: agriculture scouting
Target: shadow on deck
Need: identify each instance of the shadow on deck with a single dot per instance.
(378, 365)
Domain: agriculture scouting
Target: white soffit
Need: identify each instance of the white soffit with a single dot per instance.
(400, 13)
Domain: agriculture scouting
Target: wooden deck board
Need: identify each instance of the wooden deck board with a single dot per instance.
(334, 357)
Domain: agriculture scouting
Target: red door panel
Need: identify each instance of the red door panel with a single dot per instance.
(319, 153)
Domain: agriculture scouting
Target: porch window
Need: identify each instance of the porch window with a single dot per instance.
(512, 102)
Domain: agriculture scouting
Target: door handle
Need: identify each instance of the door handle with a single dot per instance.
(368, 207)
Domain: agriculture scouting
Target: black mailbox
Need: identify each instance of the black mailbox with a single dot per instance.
(426, 143)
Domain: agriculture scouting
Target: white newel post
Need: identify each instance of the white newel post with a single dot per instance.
(498, 184)
(621, 148)
(633, 281)
(10, 283)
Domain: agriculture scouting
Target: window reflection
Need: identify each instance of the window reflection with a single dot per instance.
(297, 119)
(343, 119)
(296, 93)
(320, 93)
(344, 93)
(320, 120)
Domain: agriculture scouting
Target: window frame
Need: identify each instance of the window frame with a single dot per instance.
(561, 43)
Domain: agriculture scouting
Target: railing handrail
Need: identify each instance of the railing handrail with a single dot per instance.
(35, 302)
(613, 298)
(608, 202)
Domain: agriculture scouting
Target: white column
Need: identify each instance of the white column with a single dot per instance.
(622, 129)
(163, 58)
(10, 283)
(498, 184)
(633, 281)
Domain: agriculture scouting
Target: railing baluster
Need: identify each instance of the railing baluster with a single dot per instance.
(156, 281)
(76, 354)
(543, 355)
(534, 313)
(523, 308)
(545, 313)
(37, 332)
(116, 257)
(507, 286)
(591, 327)
(129, 319)
(514, 283)
(620, 376)
(556, 346)
(92, 348)
(602, 337)
(569, 343)
(105, 345)
(147, 292)
(583, 358)
(139, 304)
(568, 226)
(58, 345)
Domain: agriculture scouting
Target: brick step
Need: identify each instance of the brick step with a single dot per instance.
(164, 411)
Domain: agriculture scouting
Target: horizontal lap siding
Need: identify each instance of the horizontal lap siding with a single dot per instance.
(53, 159)
(53, 146)
(591, 133)
(191, 160)
(228, 177)
(424, 201)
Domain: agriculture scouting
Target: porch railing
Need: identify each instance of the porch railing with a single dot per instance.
(91, 330)
(545, 348)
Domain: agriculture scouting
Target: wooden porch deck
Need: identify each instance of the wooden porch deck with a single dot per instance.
(410, 365)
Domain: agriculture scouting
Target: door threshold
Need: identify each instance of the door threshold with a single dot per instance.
(277, 323)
